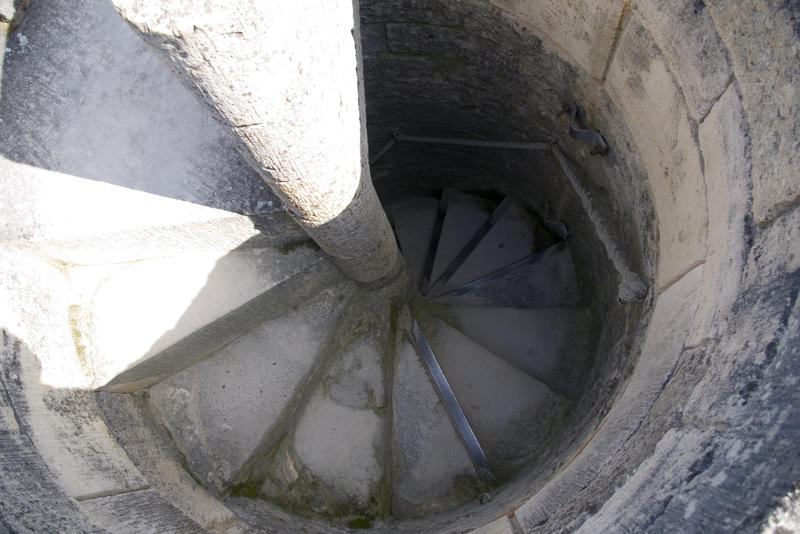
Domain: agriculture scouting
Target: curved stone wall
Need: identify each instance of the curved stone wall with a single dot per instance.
(690, 419)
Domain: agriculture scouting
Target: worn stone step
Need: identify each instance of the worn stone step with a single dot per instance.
(465, 215)
(147, 320)
(541, 342)
(414, 220)
(432, 471)
(138, 511)
(332, 463)
(512, 414)
(511, 238)
(218, 410)
(546, 280)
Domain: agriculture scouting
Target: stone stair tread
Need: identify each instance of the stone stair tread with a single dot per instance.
(465, 215)
(547, 283)
(534, 340)
(510, 239)
(510, 412)
(432, 471)
(168, 299)
(218, 410)
(336, 453)
(413, 221)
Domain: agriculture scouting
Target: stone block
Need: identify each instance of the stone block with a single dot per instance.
(761, 38)
(776, 251)
(642, 87)
(47, 384)
(219, 410)
(130, 421)
(413, 38)
(685, 33)
(670, 323)
(82, 221)
(87, 98)
(583, 30)
(138, 511)
(7, 10)
(502, 525)
(137, 311)
(725, 144)
(429, 457)
(30, 499)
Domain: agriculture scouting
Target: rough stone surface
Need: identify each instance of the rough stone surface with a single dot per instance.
(154, 454)
(776, 252)
(725, 146)
(510, 239)
(500, 526)
(30, 498)
(83, 221)
(585, 30)
(95, 102)
(136, 512)
(640, 82)
(254, 66)
(761, 38)
(413, 222)
(46, 381)
(732, 428)
(429, 457)
(342, 446)
(512, 414)
(549, 344)
(218, 410)
(333, 462)
(7, 11)
(671, 321)
(685, 33)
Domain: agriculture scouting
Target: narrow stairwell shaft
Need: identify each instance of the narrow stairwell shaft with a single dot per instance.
(288, 85)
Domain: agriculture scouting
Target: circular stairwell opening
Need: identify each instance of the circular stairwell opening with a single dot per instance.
(449, 396)
(585, 337)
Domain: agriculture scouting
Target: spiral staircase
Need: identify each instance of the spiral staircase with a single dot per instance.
(331, 409)
(177, 355)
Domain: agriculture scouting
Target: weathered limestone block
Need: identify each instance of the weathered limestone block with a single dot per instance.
(31, 500)
(686, 35)
(761, 38)
(47, 386)
(285, 80)
(671, 321)
(584, 30)
(138, 511)
(725, 145)
(86, 97)
(641, 85)
(87, 222)
(205, 301)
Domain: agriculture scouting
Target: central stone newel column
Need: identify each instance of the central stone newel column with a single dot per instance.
(285, 78)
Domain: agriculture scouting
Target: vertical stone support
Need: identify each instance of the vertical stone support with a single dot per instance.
(285, 77)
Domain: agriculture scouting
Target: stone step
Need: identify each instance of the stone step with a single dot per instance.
(334, 459)
(87, 222)
(544, 280)
(512, 414)
(465, 215)
(510, 239)
(432, 471)
(541, 342)
(218, 410)
(144, 321)
(413, 222)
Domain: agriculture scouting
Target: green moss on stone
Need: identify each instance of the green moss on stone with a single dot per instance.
(251, 490)
(360, 522)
